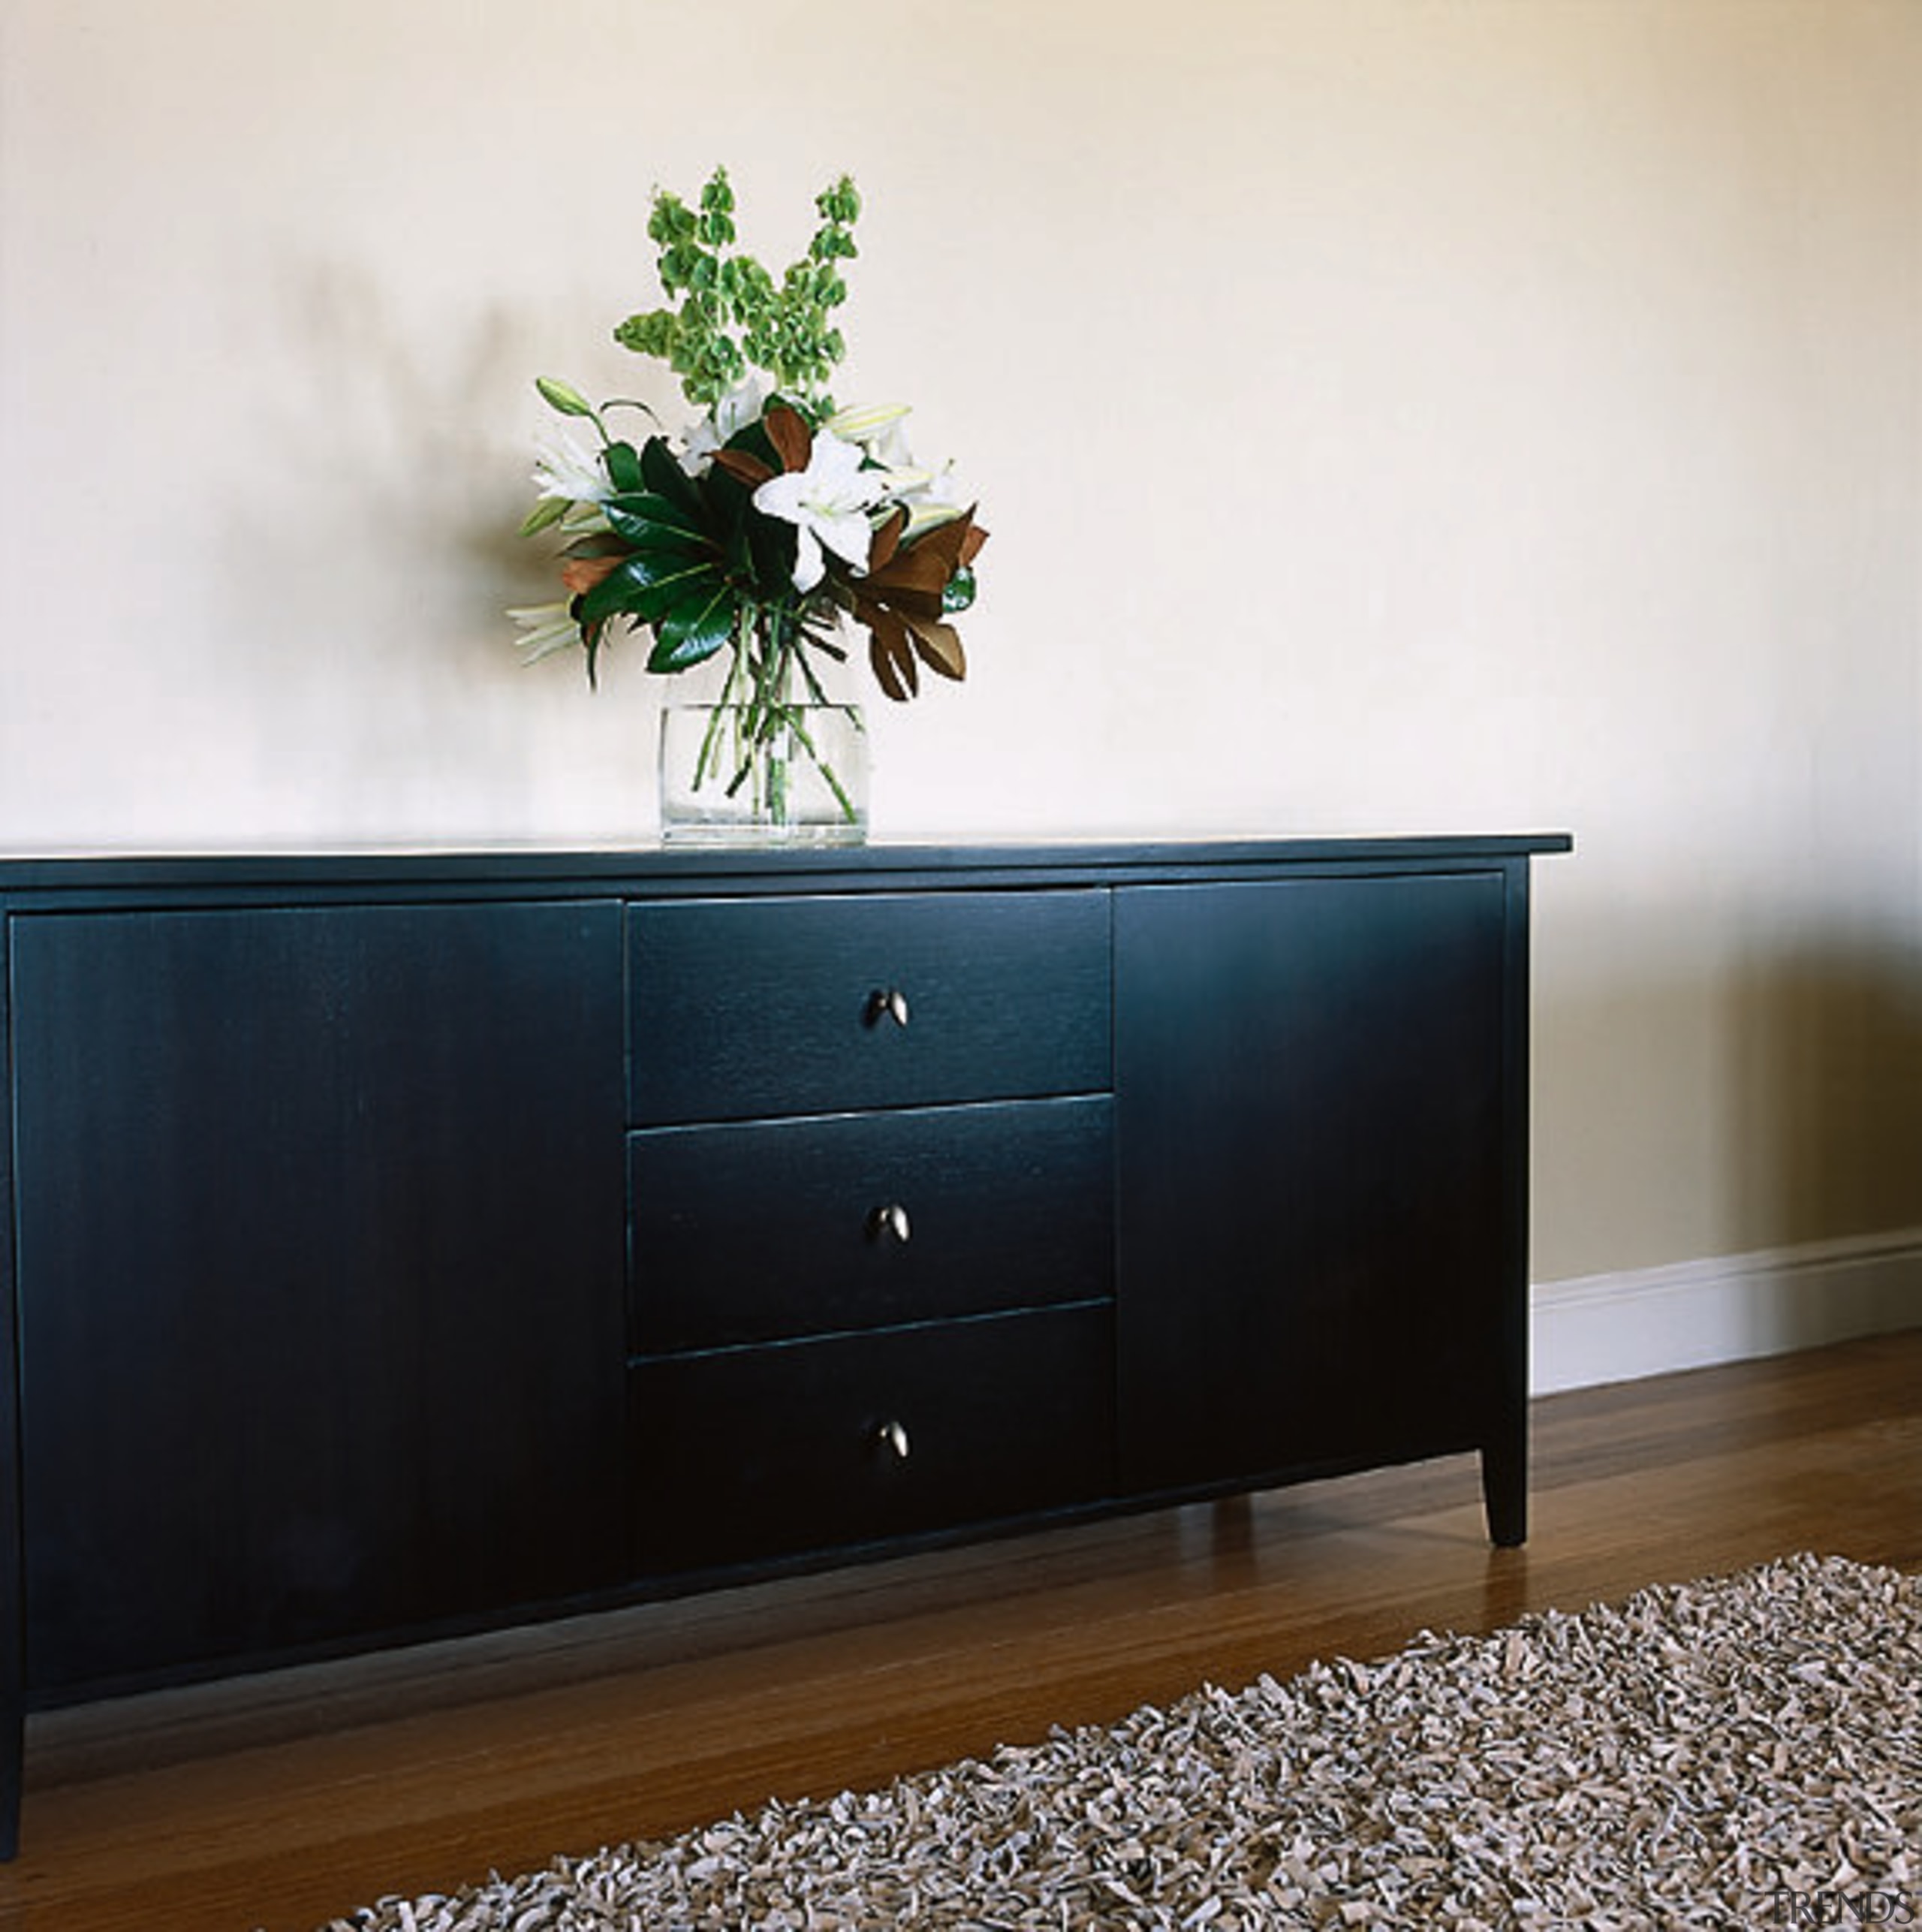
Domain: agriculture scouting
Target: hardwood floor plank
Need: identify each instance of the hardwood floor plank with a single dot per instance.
(278, 1803)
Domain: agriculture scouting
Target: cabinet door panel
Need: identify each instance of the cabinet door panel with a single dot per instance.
(1310, 1122)
(320, 1267)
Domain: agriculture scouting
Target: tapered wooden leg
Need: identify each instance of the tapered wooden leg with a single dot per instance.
(1504, 1489)
(12, 1741)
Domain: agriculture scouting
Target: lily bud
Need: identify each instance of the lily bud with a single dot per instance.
(563, 397)
(863, 426)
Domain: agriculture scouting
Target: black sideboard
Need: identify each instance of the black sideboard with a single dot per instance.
(396, 1245)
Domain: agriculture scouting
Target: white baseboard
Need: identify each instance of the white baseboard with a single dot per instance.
(1619, 1327)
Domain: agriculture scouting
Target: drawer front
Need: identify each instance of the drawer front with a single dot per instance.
(743, 1008)
(789, 1228)
(753, 1453)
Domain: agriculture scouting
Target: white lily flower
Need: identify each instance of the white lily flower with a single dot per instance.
(827, 503)
(727, 419)
(545, 629)
(900, 486)
(890, 449)
(584, 519)
(937, 501)
(564, 470)
(898, 478)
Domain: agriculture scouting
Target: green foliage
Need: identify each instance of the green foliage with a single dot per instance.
(693, 559)
(730, 312)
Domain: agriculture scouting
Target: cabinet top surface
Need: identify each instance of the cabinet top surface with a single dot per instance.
(680, 869)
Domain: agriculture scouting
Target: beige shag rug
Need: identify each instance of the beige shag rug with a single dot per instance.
(1745, 1753)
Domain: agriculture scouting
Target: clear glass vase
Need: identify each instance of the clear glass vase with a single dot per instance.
(763, 773)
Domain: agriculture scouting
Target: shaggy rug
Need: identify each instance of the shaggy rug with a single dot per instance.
(1745, 1753)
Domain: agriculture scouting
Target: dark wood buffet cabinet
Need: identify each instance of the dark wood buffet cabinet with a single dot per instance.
(398, 1244)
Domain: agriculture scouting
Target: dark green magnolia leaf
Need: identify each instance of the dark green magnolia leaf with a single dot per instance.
(647, 568)
(623, 467)
(673, 597)
(652, 521)
(682, 653)
(771, 543)
(643, 587)
(694, 630)
(665, 478)
(728, 497)
(760, 549)
(729, 502)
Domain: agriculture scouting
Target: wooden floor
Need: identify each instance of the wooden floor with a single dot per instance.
(283, 1803)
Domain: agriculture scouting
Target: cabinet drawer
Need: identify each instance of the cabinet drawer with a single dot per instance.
(746, 1233)
(751, 1453)
(742, 1008)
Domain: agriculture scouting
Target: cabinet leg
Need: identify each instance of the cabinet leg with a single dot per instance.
(1504, 1491)
(13, 1753)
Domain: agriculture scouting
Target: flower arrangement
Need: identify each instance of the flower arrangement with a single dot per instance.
(775, 516)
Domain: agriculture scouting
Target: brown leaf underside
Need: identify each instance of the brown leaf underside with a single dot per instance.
(744, 467)
(788, 431)
(899, 601)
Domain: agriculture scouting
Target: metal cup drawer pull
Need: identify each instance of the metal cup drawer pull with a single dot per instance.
(887, 1003)
(890, 1223)
(891, 1439)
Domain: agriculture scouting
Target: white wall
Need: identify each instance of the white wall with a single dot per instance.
(1391, 414)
